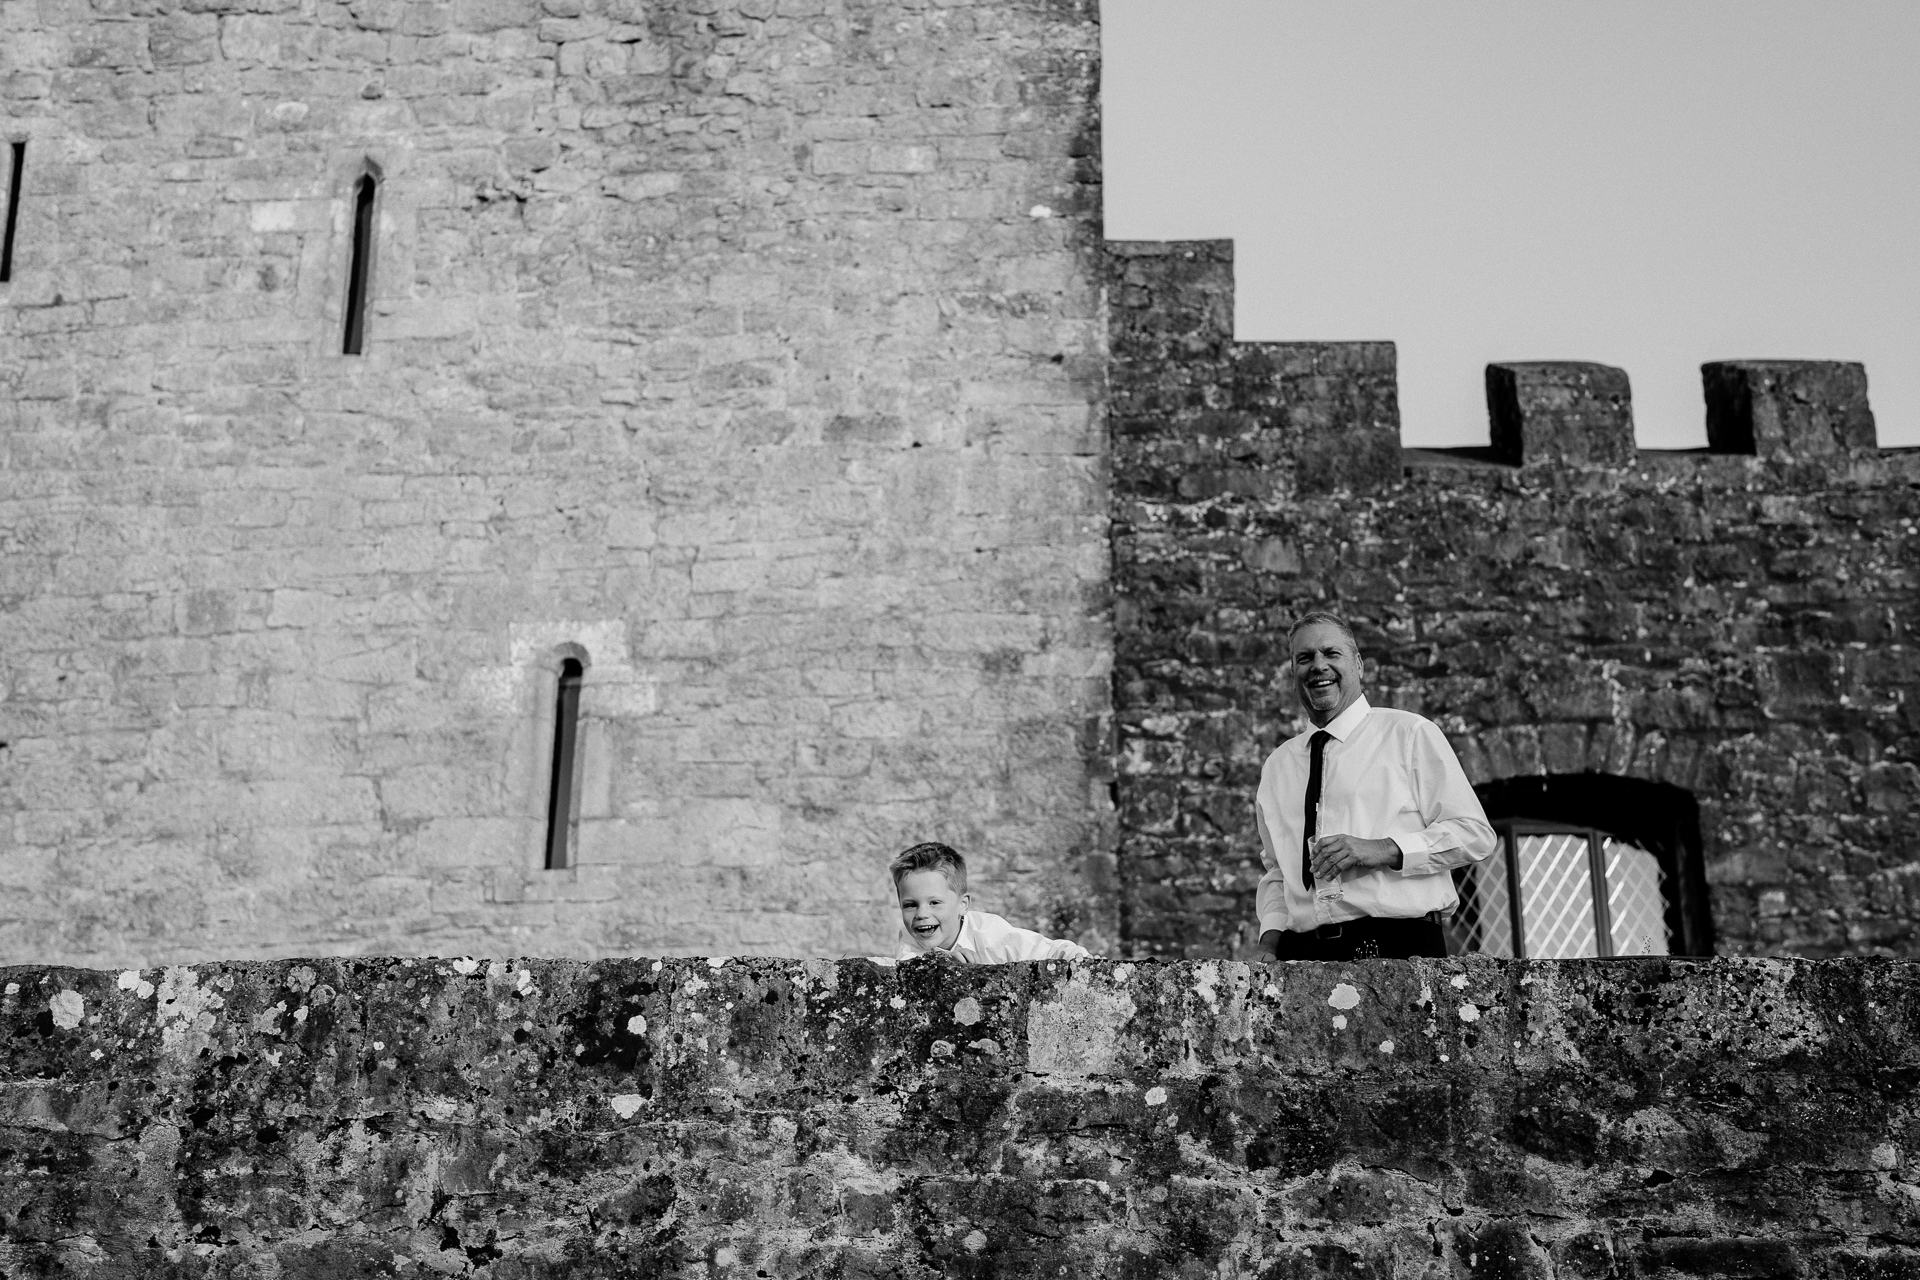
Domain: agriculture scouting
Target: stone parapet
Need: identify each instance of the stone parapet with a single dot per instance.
(775, 1118)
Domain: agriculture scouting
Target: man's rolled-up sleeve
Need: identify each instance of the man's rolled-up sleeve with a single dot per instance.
(1456, 831)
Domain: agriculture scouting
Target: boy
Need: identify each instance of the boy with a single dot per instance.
(931, 881)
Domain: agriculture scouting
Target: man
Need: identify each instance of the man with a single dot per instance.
(1362, 820)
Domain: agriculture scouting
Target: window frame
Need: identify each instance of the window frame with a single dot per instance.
(1509, 829)
(1658, 817)
(563, 787)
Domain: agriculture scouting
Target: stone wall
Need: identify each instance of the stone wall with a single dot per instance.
(1737, 622)
(1465, 1118)
(747, 350)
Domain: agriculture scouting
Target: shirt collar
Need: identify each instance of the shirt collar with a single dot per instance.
(1343, 725)
(967, 940)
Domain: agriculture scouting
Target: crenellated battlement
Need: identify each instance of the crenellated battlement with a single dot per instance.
(1581, 413)
(1173, 308)
(1804, 408)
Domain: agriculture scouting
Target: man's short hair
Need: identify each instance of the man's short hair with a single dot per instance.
(1318, 616)
(929, 856)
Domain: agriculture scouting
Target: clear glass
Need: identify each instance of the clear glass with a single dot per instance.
(1556, 895)
(1556, 886)
(1483, 922)
(1636, 901)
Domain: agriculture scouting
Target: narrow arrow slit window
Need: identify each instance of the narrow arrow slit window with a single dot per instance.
(561, 817)
(360, 268)
(14, 172)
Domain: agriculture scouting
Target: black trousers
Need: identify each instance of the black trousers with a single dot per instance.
(1368, 938)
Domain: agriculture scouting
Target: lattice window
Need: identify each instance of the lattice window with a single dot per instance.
(1579, 892)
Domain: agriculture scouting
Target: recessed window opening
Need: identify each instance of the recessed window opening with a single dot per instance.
(360, 268)
(561, 817)
(14, 172)
(1587, 865)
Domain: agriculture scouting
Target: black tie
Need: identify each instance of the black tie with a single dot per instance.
(1319, 742)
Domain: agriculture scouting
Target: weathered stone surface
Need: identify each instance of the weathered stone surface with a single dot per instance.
(787, 1119)
(1787, 407)
(747, 351)
(763, 356)
(1738, 626)
(1541, 411)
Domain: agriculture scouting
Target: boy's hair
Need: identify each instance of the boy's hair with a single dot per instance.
(930, 857)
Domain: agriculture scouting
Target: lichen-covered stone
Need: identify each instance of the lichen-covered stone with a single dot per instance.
(805, 1118)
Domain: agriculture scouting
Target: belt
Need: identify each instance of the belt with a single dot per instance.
(1328, 932)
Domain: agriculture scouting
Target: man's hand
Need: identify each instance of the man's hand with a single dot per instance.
(1334, 854)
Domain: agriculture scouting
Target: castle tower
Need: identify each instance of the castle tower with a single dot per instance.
(398, 395)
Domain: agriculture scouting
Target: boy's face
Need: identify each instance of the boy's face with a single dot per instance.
(931, 909)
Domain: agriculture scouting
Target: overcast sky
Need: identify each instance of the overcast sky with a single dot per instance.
(1645, 183)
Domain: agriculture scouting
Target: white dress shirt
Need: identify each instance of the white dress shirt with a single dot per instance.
(985, 938)
(1385, 774)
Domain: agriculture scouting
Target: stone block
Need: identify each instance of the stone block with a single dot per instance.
(902, 158)
(1787, 408)
(1176, 296)
(1560, 412)
(109, 45)
(183, 40)
(1343, 397)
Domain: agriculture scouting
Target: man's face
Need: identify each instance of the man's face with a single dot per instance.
(1326, 666)
(930, 908)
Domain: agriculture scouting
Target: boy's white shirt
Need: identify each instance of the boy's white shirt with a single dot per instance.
(985, 938)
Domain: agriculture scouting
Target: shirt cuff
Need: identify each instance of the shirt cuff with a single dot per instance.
(1279, 922)
(1416, 858)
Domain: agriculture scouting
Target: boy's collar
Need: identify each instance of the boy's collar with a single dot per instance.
(960, 934)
